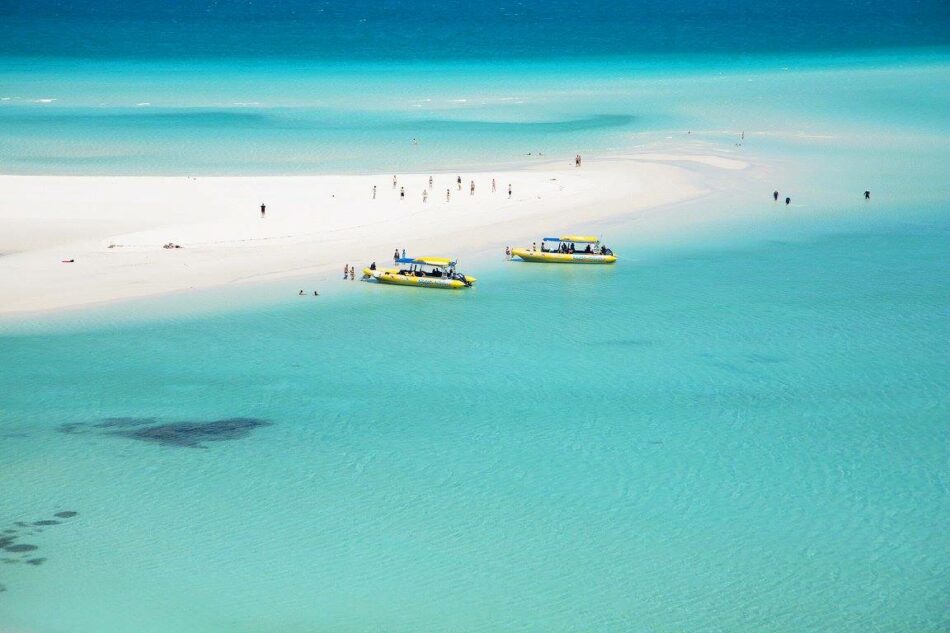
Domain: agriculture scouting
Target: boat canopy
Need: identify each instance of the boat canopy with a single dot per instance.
(583, 239)
(427, 261)
(435, 261)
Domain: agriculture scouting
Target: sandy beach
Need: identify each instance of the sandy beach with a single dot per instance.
(114, 228)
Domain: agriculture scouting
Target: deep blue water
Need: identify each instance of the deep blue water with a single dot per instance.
(423, 30)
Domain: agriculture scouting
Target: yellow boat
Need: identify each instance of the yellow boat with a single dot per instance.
(423, 272)
(564, 250)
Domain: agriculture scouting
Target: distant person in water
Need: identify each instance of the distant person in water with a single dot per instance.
(346, 270)
(867, 195)
(300, 294)
(316, 294)
(775, 196)
(788, 201)
(507, 252)
(263, 209)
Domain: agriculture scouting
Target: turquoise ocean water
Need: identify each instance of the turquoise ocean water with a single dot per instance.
(737, 429)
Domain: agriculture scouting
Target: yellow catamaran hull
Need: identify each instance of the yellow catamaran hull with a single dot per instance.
(540, 257)
(393, 276)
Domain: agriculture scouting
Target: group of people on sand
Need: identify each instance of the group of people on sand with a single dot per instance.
(448, 192)
(788, 200)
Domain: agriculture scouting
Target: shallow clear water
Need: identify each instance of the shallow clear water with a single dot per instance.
(741, 427)
(737, 436)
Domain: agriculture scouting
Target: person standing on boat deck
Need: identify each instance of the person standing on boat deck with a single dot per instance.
(471, 188)
(788, 201)
(867, 195)
(775, 196)
(404, 253)
(534, 246)
(374, 192)
(459, 181)
(509, 190)
(263, 209)
(402, 193)
(372, 266)
(396, 256)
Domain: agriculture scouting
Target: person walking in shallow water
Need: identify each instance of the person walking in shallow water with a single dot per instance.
(788, 201)
(867, 195)
(775, 196)
(346, 270)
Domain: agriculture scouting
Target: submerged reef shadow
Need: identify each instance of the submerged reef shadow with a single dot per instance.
(190, 434)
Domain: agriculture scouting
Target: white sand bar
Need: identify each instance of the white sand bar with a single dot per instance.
(114, 227)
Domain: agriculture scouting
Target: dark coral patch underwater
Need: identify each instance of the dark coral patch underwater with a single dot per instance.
(180, 434)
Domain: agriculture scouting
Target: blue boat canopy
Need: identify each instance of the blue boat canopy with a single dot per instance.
(550, 239)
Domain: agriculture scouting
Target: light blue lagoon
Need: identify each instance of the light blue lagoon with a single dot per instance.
(742, 427)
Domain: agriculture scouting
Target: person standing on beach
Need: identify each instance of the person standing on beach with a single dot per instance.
(509, 191)
(374, 192)
(471, 188)
(775, 196)
(263, 209)
(459, 181)
(448, 193)
(394, 181)
(402, 193)
(425, 195)
(493, 185)
(430, 182)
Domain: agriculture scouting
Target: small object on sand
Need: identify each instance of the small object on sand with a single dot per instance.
(68, 261)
